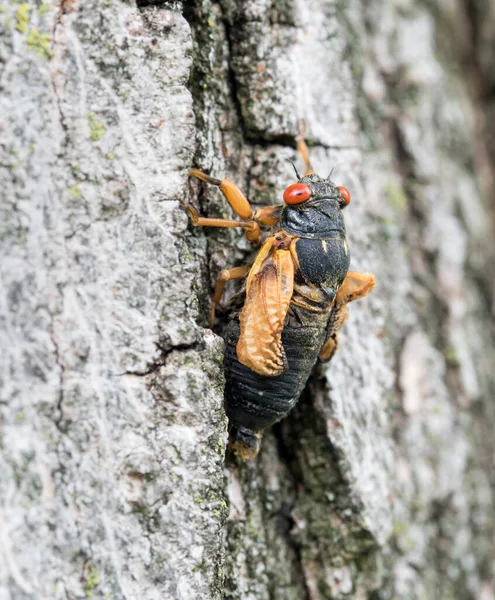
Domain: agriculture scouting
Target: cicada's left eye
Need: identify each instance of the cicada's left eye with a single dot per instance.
(346, 195)
(296, 193)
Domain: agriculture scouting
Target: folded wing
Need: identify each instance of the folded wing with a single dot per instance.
(262, 318)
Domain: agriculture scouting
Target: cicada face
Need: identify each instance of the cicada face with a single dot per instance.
(313, 187)
(313, 208)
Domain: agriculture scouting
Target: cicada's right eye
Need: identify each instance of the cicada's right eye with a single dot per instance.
(296, 193)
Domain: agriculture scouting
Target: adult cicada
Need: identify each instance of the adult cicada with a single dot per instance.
(296, 296)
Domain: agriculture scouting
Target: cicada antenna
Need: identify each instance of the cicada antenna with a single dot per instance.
(330, 174)
(294, 166)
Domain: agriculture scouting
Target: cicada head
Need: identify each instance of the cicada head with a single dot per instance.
(324, 188)
(314, 187)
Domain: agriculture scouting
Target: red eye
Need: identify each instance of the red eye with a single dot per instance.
(346, 195)
(296, 193)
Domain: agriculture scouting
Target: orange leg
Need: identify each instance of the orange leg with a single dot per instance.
(355, 286)
(303, 148)
(252, 228)
(238, 203)
(231, 192)
(225, 275)
(330, 347)
(269, 215)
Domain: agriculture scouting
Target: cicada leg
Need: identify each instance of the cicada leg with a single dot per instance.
(303, 148)
(238, 273)
(225, 275)
(238, 203)
(269, 215)
(329, 348)
(252, 228)
(231, 192)
(355, 286)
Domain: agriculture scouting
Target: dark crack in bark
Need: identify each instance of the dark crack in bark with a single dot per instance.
(161, 361)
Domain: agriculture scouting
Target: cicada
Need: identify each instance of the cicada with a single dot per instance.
(296, 296)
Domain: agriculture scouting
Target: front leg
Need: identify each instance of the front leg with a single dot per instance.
(269, 215)
(303, 148)
(230, 191)
(252, 228)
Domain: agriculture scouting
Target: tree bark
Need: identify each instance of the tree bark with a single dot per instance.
(114, 481)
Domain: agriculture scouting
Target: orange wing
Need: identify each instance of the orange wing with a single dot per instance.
(268, 295)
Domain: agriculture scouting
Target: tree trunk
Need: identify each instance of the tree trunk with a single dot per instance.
(114, 481)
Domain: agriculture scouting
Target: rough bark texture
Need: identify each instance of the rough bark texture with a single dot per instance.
(113, 476)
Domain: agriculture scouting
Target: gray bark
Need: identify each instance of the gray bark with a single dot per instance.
(113, 476)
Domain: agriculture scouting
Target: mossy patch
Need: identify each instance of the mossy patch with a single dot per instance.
(400, 528)
(96, 129)
(92, 580)
(22, 17)
(451, 357)
(395, 195)
(74, 191)
(44, 8)
(40, 43)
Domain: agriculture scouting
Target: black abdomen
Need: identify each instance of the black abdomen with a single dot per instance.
(254, 402)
